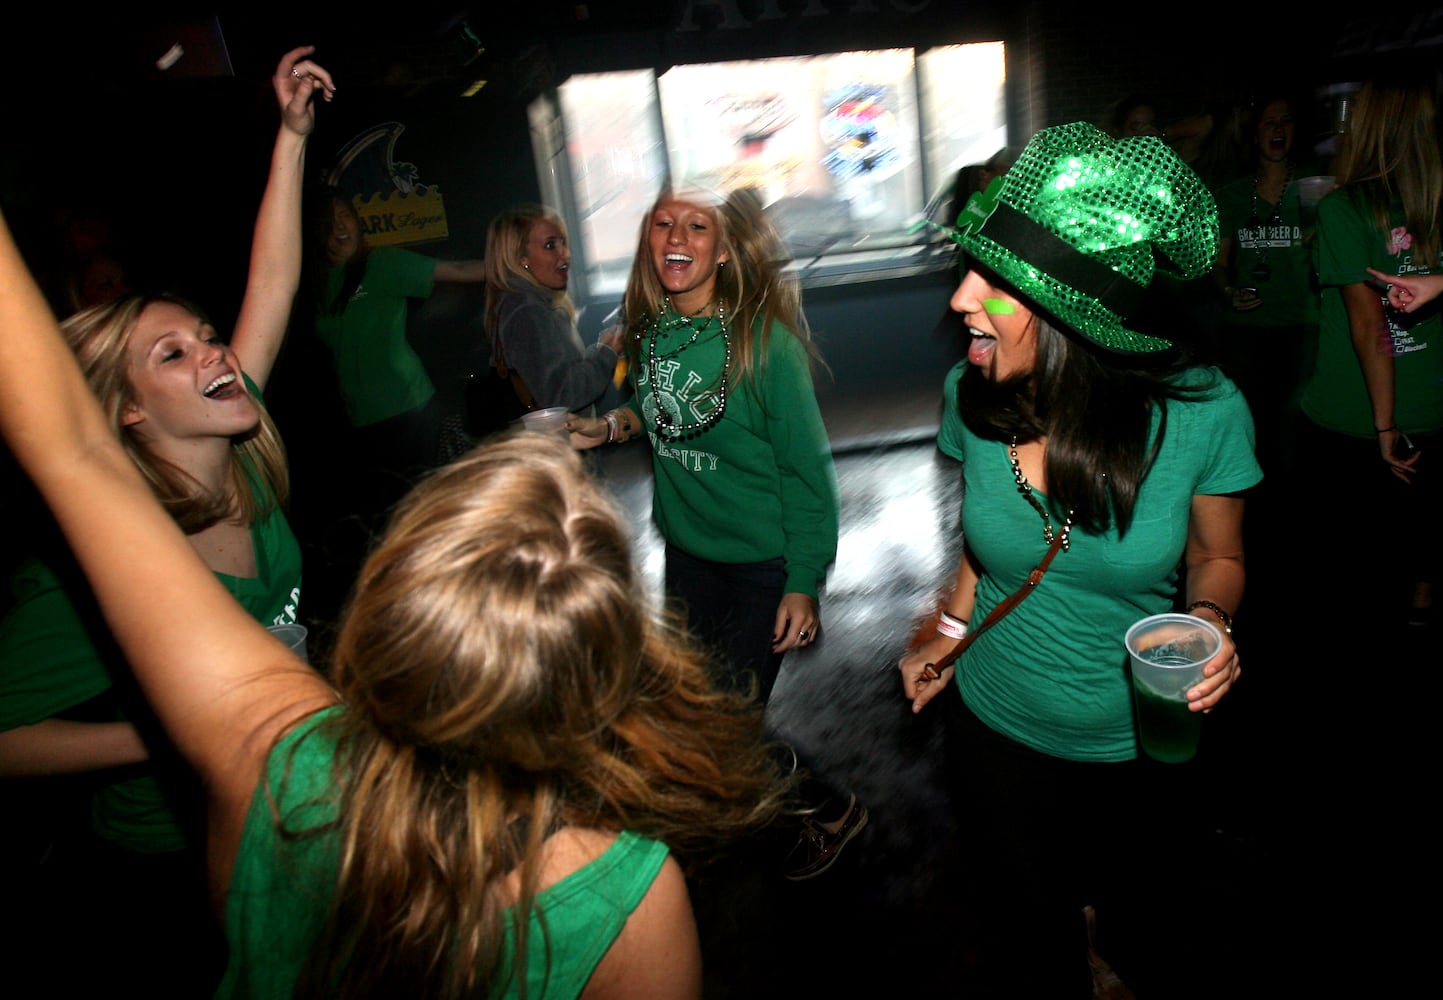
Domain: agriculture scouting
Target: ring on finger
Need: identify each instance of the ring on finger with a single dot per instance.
(296, 73)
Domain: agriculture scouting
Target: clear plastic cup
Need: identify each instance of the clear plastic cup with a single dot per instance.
(293, 634)
(551, 420)
(1168, 653)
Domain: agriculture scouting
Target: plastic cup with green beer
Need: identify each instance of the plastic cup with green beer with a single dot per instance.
(1168, 654)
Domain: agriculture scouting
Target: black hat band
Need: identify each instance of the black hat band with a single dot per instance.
(1043, 249)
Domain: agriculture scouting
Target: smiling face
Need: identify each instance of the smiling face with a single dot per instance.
(685, 243)
(547, 256)
(186, 384)
(345, 237)
(1275, 131)
(1003, 329)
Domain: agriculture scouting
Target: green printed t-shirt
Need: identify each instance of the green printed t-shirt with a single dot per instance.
(1285, 282)
(1336, 397)
(380, 374)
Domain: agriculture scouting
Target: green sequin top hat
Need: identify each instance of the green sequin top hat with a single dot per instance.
(1082, 222)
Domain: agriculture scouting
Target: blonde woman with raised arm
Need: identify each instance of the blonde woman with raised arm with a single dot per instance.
(512, 745)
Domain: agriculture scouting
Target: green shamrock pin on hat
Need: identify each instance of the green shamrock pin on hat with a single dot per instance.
(1083, 221)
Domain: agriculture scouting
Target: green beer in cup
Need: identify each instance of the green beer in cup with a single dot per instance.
(1168, 653)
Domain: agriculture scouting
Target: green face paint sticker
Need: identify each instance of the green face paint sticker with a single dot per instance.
(996, 307)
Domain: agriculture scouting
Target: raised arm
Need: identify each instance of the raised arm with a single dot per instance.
(275, 268)
(220, 684)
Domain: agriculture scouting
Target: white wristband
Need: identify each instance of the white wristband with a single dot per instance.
(953, 628)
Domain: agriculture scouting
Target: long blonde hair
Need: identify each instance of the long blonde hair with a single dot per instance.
(506, 676)
(753, 285)
(1391, 151)
(505, 246)
(259, 479)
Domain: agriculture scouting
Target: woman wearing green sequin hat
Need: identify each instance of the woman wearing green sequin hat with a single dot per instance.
(1086, 436)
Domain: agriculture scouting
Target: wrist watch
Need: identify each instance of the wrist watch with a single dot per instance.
(1223, 616)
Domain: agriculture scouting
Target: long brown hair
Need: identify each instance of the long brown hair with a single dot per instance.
(259, 480)
(752, 287)
(1390, 151)
(506, 677)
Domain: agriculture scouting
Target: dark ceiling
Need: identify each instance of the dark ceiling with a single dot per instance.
(428, 47)
(416, 47)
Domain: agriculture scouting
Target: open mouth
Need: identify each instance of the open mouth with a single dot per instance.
(981, 347)
(677, 260)
(223, 387)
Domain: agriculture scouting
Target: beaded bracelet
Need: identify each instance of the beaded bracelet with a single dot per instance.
(951, 626)
(1223, 616)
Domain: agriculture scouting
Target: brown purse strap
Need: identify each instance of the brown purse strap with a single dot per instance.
(1001, 610)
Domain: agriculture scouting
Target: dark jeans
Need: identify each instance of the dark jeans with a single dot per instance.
(1050, 836)
(731, 608)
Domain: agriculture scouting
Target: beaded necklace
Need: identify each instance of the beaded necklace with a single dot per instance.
(666, 425)
(1025, 488)
(1262, 271)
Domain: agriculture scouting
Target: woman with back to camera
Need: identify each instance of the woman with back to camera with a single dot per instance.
(745, 490)
(1374, 401)
(186, 408)
(532, 320)
(487, 794)
(1082, 435)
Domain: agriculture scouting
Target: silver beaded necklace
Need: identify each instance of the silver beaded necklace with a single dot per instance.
(1025, 488)
(666, 426)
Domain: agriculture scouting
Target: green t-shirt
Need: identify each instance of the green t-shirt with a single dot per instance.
(1268, 255)
(57, 653)
(1052, 674)
(380, 374)
(759, 483)
(1336, 397)
(281, 885)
